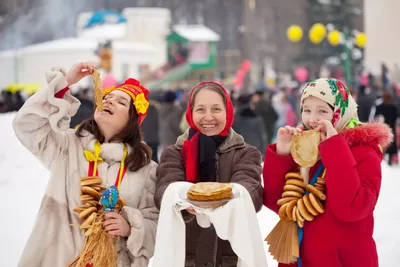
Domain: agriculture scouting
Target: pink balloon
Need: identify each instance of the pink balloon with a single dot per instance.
(364, 79)
(301, 74)
(109, 81)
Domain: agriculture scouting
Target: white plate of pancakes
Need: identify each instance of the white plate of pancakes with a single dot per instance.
(209, 194)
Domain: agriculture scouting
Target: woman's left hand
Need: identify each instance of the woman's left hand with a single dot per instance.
(327, 130)
(115, 224)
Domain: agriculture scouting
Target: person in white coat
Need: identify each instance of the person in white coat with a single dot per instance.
(42, 126)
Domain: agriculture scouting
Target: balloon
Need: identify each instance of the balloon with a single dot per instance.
(334, 38)
(301, 75)
(361, 40)
(109, 81)
(317, 33)
(294, 33)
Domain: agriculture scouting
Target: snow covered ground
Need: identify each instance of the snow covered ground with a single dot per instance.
(23, 181)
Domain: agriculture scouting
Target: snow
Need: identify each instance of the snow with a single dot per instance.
(23, 181)
(196, 33)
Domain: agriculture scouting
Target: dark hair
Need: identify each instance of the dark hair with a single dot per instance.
(210, 86)
(387, 98)
(132, 135)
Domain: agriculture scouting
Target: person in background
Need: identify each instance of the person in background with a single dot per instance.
(389, 113)
(263, 107)
(169, 119)
(150, 128)
(85, 111)
(249, 124)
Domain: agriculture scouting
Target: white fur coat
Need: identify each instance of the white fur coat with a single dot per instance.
(42, 126)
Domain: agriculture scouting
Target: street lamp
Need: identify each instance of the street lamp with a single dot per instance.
(317, 34)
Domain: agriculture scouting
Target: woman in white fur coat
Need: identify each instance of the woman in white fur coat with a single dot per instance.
(42, 126)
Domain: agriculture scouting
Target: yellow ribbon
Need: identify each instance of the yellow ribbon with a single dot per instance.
(122, 167)
(94, 157)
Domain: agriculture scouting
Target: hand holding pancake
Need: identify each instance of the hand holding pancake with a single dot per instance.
(326, 128)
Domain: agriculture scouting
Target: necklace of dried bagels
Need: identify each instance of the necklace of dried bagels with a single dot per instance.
(98, 246)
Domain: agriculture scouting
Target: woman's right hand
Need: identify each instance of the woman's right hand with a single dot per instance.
(191, 211)
(78, 72)
(284, 139)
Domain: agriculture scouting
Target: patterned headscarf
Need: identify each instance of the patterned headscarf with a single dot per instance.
(336, 94)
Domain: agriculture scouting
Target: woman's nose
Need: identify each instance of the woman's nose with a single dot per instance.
(208, 116)
(108, 101)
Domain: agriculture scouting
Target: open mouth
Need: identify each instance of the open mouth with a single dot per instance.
(107, 110)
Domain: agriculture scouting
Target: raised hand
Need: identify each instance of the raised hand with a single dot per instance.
(284, 139)
(78, 72)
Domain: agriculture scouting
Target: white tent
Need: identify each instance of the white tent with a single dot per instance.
(32, 61)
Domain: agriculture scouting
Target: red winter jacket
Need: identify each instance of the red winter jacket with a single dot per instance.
(342, 236)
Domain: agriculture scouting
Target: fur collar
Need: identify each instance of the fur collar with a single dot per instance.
(232, 141)
(110, 152)
(369, 133)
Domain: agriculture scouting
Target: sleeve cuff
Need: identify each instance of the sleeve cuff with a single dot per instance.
(136, 239)
(62, 92)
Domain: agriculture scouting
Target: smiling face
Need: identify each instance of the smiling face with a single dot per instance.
(314, 110)
(209, 111)
(115, 114)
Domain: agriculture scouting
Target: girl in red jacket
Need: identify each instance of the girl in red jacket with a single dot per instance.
(350, 161)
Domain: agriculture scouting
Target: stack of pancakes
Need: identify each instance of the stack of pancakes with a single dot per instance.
(210, 191)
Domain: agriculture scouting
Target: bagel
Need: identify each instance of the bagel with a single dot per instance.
(316, 192)
(97, 188)
(298, 215)
(102, 187)
(120, 200)
(292, 194)
(321, 181)
(294, 175)
(284, 200)
(92, 203)
(86, 198)
(88, 220)
(316, 204)
(300, 224)
(319, 187)
(290, 187)
(79, 209)
(296, 183)
(303, 210)
(90, 191)
(309, 206)
(282, 212)
(294, 217)
(91, 181)
(289, 209)
(84, 214)
(88, 177)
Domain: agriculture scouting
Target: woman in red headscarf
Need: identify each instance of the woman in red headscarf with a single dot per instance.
(209, 150)
(108, 146)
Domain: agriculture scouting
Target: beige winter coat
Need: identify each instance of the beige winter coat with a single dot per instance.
(42, 126)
